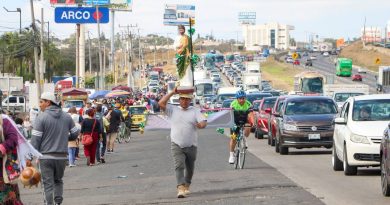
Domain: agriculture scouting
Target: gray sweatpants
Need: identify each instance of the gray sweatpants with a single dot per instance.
(52, 171)
(184, 160)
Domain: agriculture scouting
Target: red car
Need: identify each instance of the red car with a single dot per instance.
(273, 121)
(262, 115)
(357, 77)
(296, 62)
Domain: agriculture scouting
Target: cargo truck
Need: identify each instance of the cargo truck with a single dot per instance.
(341, 92)
(251, 81)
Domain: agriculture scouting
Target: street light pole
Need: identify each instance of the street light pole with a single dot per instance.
(20, 32)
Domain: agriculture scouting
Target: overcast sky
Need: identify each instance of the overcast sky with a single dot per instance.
(327, 18)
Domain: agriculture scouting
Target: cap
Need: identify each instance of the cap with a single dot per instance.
(190, 96)
(49, 96)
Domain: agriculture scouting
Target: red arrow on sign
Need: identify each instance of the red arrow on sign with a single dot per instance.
(97, 15)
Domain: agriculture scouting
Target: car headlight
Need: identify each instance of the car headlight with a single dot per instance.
(290, 127)
(359, 139)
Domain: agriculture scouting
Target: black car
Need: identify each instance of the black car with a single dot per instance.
(309, 62)
(257, 96)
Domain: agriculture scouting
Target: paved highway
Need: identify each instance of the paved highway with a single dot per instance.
(326, 66)
(312, 170)
(141, 172)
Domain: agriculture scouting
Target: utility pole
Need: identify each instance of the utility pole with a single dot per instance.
(77, 54)
(42, 64)
(129, 49)
(140, 70)
(36, 66)
(89, 54)
(101, 72)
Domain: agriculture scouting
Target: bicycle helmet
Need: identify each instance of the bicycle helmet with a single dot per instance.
(240, 94)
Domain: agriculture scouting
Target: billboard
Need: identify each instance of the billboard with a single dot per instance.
(81, 15)
(122, 5)
(371, 34)
(96, 2)
(68, 2)
(177, 14)
(340, 42)
(247, 17)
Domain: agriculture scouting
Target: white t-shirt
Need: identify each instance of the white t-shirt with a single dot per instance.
(183, 125)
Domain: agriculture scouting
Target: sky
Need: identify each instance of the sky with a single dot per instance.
(325, 18)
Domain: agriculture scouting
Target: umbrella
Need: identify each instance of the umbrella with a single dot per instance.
(122, 87)
(99, 94)
(117, 93)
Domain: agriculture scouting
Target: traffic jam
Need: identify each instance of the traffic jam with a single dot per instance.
(342, 118)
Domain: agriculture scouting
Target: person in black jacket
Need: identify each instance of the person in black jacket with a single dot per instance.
(116, 118)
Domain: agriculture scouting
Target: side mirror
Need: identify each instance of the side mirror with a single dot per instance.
(268, 110)
(340, 121)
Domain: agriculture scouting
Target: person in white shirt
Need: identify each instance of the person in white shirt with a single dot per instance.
(185, 122)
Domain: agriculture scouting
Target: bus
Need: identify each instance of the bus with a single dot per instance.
(344, 67)
(309, 83)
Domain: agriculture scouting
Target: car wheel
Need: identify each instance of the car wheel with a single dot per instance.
(269, 138)
(276, 144)
(258, 134)
(384, 177)
(283, 150)
(348, 170)
(336, 162)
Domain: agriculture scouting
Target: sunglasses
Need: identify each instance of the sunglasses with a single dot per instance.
(243, 98)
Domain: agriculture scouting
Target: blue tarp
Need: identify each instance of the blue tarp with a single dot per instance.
(99, 94)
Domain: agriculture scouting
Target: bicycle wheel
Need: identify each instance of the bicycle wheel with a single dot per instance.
(242, 150)
(127, 134)
(121, 133)
(237, 154)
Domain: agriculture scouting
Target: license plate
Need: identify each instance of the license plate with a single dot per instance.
(314, 136)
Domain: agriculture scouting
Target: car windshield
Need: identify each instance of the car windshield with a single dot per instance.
(137, 110)
(312, 85)
(342, 97)
(253, 97)
(226, 103)
(310, 107)
(223, 97)
(371, 110)
(204, 89)
(268, 103)
(256, 104)
(77, 104)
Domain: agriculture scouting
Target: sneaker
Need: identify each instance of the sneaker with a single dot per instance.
(102, 160)
(187, 189)
(72, 165)
(180, 191)
(231, 159)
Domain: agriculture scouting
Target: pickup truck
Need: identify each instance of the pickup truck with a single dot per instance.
(16, 104)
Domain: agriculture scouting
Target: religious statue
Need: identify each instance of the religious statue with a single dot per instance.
(183, 62)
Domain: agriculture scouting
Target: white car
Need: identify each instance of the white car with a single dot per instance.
(313, 57)
(326, 54)
(358, 132)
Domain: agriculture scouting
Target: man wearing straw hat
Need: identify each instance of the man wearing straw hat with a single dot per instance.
(185, 121)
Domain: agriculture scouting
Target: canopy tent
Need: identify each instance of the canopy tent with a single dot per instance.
(99, 94)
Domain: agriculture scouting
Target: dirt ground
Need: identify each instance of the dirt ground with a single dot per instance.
(366, 56)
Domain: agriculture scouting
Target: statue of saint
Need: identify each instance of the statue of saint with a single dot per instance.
(182, 47)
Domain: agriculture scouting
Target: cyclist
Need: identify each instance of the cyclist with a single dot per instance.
(242, 112)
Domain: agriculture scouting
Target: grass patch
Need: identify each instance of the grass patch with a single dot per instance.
(281, 75)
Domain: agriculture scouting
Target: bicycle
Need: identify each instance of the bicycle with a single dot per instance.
(240, 149)
(124, 133)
